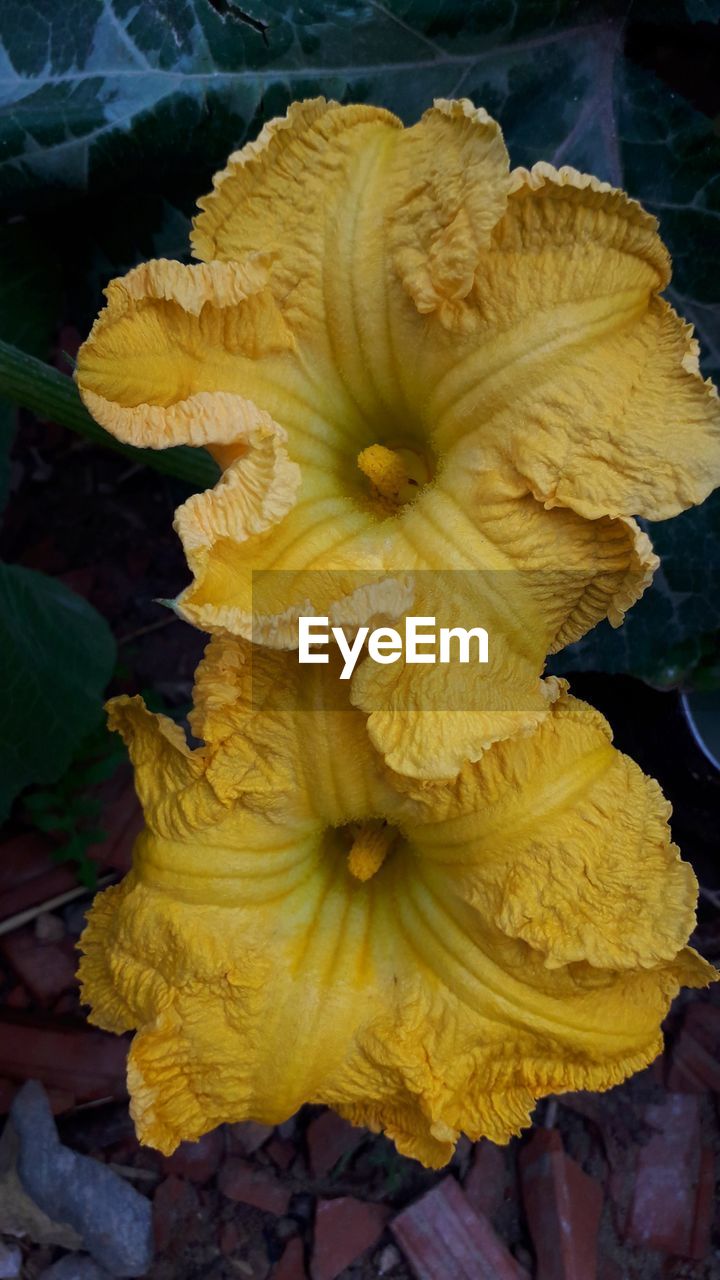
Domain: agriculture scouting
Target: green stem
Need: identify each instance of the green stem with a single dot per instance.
(53, 395)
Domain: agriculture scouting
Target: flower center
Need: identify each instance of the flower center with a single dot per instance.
(396, 475)
(368, 845)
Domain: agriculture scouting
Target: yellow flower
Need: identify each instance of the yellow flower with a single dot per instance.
(407, 357)
(303, 925)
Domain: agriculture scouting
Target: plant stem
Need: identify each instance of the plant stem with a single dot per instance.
(30, 383)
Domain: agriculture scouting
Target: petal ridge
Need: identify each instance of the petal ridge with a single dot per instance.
(141, 370)
(636, 229)
(448, 191)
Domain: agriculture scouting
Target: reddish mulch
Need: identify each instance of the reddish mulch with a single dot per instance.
(617, 1186)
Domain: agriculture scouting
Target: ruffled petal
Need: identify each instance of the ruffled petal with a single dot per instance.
(268, 725)
(566, 292)
(264, 604)
(540, 580)
(488, 1029)
(475, 549)
(291, 192)
(374, 293)
(472, 534)
(175, 355)
(170, 779)
(449, 188)
(406, 1010)
(609, 242)
(571, 260)
(427, 720)
(430, 744)
(647, 444)
(564, 843)
(255, 491)
(610, 594)
(370, 227)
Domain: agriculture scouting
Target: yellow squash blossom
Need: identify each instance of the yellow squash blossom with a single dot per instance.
(303, 925)
(406, 356)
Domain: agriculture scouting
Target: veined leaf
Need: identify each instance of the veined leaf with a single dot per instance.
(111, 95)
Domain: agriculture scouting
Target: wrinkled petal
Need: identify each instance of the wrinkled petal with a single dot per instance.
(255, 492)
(439, 987)
(170, 338)
(570, 261)
(579, 376)
(485, 1033)
(450, 186)
(562, 841)
(268, 725)
(539, 582)
(279, 192)
(540, 281)
(405, 1009)
(435, 190)
(647, 444)
(535, 580)
(477, 549)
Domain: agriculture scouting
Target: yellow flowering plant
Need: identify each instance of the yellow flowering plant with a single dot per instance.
(406, 356)
(301, 924)
(432, 383)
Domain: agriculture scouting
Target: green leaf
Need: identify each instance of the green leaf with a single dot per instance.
(176, 84)
(96, 90)
(53, 822)
(143, 99)
(104, 768)
(73, 850)
(56, 655)
(87, 873)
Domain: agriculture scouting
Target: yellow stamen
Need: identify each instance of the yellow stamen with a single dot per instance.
(385, 470)
(397, 475)
(371, 845)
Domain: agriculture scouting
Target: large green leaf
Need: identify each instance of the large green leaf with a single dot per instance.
(122, 111)
(56, 655)
(144, 99)
(111, 95)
